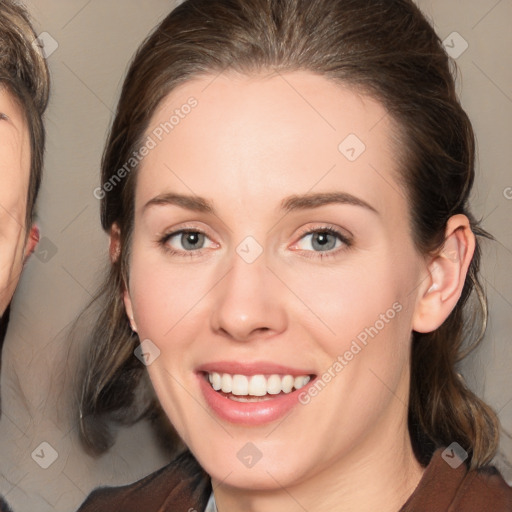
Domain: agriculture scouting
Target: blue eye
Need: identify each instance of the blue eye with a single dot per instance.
(322, 240)
(190, 240)
(325, 242)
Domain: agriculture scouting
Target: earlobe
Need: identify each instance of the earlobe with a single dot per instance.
(446, 275)
(115, 253)
(129, 309)
(32, 241)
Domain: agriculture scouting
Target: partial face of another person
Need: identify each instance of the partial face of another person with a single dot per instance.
(14, 183)
(265, 292)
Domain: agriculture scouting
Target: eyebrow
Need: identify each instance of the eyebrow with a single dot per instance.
(288, 204)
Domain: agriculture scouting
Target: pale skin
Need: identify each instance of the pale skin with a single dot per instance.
(250, 143)
(16, 243)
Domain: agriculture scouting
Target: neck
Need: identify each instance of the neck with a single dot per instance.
(365, 487)
(380, 473)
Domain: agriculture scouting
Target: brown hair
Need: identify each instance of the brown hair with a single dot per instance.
(24, 72)
(384, 48)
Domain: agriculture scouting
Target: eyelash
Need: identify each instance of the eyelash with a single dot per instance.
(347, 242)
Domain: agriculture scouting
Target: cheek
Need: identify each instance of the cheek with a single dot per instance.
(11, 260)
(335, 304)
(164, 298)
(355, 301)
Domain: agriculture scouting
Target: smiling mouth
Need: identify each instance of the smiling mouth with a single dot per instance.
(255, 388)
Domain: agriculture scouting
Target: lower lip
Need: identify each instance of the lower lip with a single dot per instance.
(249, 413)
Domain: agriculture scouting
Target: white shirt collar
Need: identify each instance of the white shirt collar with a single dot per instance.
(211, 505)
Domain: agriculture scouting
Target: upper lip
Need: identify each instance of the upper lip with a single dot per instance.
(254, 368)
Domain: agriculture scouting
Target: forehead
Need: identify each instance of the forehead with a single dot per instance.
(248, 138)
(10, 107)
(13, 125)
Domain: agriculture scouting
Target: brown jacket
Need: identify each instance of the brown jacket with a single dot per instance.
(183, 486)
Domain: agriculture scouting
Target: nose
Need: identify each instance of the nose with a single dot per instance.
(249, 303)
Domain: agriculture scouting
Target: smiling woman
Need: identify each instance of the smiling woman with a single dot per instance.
(303, 231)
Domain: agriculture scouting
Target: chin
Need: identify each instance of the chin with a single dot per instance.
(262, 477)
(254, 465)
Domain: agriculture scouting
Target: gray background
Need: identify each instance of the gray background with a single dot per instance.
(96, 40)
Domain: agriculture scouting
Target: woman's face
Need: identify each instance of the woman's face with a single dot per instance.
(298, 264)
(14, 181)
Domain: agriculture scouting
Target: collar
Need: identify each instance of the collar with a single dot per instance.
(211, 506)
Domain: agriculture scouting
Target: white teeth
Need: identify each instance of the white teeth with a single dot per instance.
(300, 382)
(227, 383)
(256, 385)
(274, 385)
(287, 383)
(240, 385)
(216, 381)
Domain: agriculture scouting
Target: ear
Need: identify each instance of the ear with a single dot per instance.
(114, 253)
(446, 275)
(32, 241)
